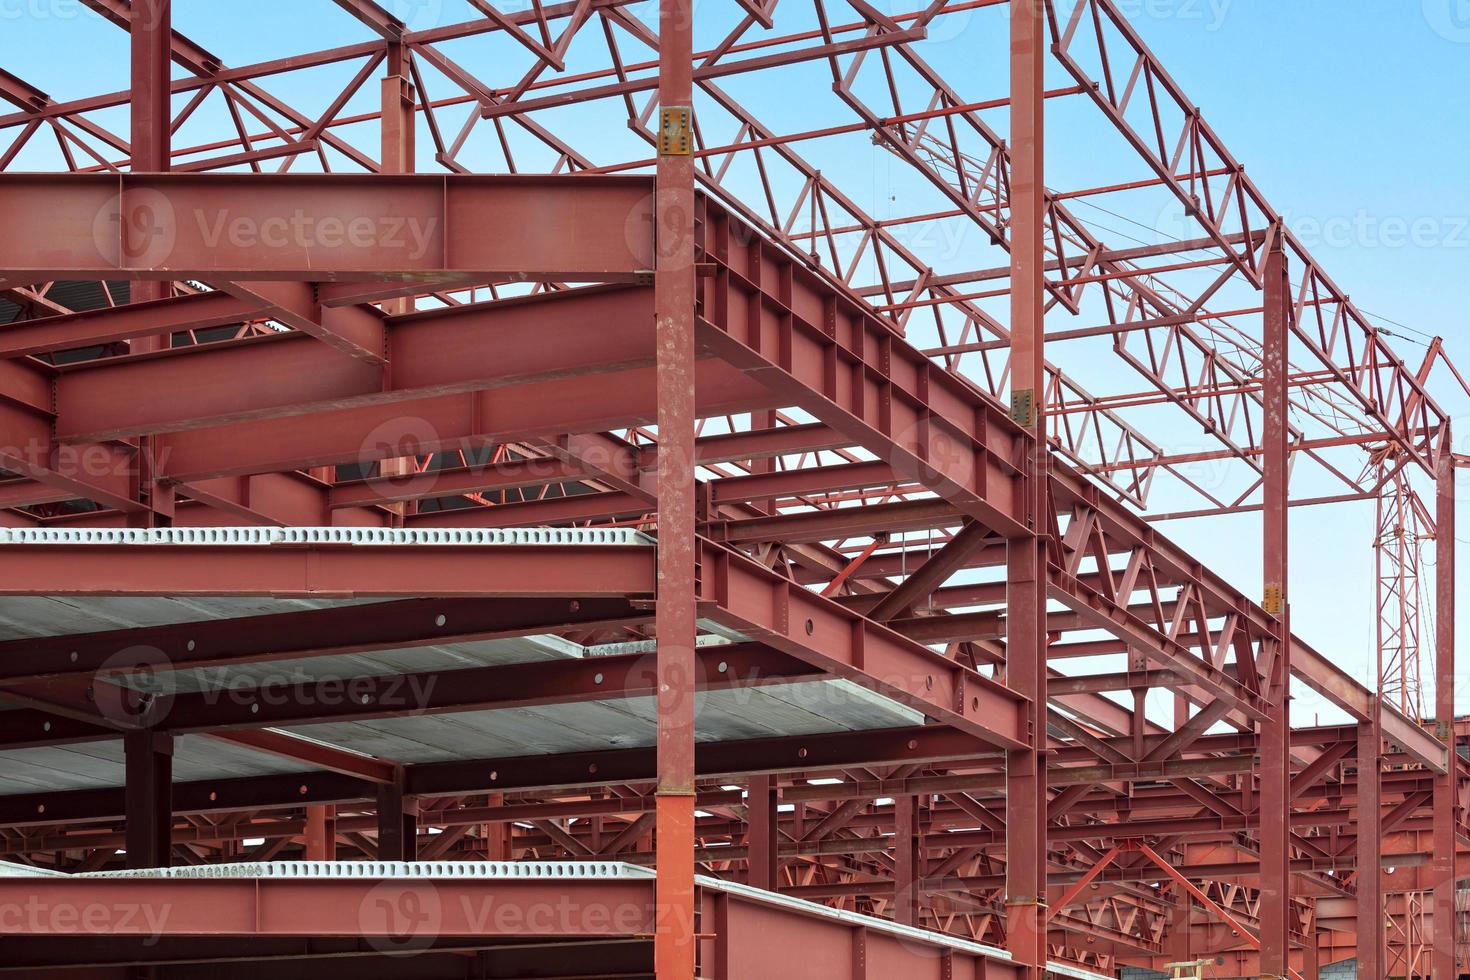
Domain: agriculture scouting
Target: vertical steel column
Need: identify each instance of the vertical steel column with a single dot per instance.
(396, 156)
(396, 126)
(499, 837)
(1275, 739)
(673, 308)
(1371, 961)
(320, 838)
(151, 41)
(908, 868)
(1312, 956)
(1026, 799)
(1443, 872)
(398, 824)
(762, 836)
(148, 758)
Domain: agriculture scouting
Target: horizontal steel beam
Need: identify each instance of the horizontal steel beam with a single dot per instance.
(834, 357)
(329, 571)
(468, 421)
(198, 311)
(442, 352)
(311, 633)
(290, 700)
(330, 906)
(325, 227)
(807, 753)
(767, 607)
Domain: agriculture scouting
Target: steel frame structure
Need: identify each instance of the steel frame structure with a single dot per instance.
(867, 466)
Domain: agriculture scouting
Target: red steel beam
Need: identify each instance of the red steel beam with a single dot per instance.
(290, 701)
(589, 403)
(329, 571)
(220, 795)
(848, 369)
(327, 758)
(295, 226)
(767, 607)
(930, 744)
(195, 311)
(312, 633)
(433, 353)
(310, 907)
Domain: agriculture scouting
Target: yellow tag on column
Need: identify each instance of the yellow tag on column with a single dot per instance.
(1273, 602)
(675, 132)
(1023, 407)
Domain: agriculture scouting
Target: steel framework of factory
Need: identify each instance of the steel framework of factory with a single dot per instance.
(834, 483)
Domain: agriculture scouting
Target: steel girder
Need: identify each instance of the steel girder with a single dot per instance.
(909, 462)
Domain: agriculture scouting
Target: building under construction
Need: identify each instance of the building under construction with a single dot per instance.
(521, 505)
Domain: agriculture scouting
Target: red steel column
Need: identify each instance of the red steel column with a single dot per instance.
(1275, 822)
(1371, 960)
(150, 38)
(1026, 798)
(673, 307)
(396, 126)
(500, 837)
(151, 41)
(762, 836)
(1312, 956)
(320, 838)
(148, 797)
(908, 857)
(1443, 872)
(396, 156)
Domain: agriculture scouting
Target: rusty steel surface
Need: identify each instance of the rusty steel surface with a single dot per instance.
(545, 461)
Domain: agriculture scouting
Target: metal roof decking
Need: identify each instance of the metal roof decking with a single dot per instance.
(375, 536)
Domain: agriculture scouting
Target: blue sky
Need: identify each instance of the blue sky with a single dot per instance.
(1351, 115)
(1356, 111)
